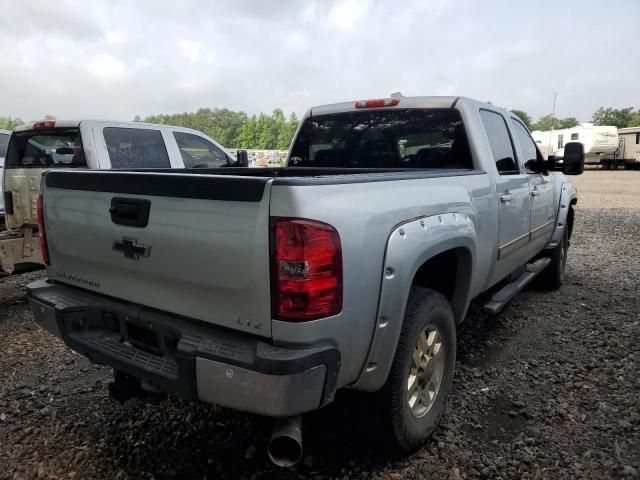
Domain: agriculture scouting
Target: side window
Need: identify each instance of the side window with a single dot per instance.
(136, 148)
(529, 150)
(574, 136)
(500, 141)
(4, 141)
(637, 138)
(560, 141)
(198, 152)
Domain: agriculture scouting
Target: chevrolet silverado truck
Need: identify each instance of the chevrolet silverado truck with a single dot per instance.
(53, 144)
(267, 290)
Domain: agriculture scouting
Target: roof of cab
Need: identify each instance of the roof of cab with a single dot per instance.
(58, 124)
(405, 102)
(76, 124)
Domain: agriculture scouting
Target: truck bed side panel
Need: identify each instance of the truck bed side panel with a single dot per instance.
(365, 214)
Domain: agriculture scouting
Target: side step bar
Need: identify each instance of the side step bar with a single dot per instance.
(506, 294)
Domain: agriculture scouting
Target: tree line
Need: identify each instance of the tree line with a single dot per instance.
(275, 132)
(618, 117)
(236, 129)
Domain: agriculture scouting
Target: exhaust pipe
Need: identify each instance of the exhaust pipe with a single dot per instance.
(285, 445)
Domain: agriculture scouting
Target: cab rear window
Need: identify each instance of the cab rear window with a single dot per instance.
(46, 149)
(410, 138)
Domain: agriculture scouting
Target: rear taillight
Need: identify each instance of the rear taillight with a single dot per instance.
(306, 269)
(44, 248)
(45, 124)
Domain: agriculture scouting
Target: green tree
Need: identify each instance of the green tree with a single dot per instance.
(524, 116)
(248, 135)
(287, 132)
(635, 119)
(8, 123)
(549, 122)
(620, 118)
(568, 122)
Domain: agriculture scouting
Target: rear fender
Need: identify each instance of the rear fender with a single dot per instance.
(410, 245)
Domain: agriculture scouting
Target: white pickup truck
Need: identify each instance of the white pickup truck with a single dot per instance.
(101, 145)
(266, 290)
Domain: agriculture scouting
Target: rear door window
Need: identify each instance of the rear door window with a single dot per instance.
(136, 148)
(198, 152)
(409, 138)
(60, 148)
(500, 141)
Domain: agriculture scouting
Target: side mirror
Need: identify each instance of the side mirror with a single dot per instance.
(573, 162)
(242, 158)
(537, 165)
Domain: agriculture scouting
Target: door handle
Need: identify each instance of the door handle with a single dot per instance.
(535, 192)
(506, 197)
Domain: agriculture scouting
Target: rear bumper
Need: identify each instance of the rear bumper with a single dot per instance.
(188, 358)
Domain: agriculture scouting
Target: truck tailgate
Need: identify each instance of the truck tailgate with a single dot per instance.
(202, 253)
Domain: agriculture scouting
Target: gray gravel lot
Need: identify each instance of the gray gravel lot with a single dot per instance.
(548, 389)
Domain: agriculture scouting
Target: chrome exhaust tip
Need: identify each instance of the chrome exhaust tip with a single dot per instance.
(285, 445)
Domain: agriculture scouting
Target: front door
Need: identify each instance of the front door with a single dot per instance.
(512, 197)
(543, 213)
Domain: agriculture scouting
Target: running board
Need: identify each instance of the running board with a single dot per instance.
(506, 294)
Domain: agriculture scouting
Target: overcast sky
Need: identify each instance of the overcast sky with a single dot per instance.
(118, 59)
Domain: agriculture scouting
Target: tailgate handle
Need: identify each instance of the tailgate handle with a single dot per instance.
(132, 212)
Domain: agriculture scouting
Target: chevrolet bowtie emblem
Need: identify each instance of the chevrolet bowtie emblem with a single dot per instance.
(131, 248)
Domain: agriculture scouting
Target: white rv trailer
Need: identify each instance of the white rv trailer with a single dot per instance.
(600, 143)
(629, 150)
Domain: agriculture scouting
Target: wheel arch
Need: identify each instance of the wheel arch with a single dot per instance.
(419, 252)
(565, 214)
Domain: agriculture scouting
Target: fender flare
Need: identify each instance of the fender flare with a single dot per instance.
(568, 197)
(409, 246)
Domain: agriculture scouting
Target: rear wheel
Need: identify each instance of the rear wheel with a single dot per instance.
(413, 399)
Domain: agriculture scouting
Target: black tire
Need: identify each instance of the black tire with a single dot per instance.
(552, 277)
(614, 165)
(628, 166)
(405, 432)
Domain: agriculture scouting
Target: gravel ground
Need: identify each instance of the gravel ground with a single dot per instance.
(547, 389)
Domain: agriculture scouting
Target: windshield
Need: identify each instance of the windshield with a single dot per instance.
(48, 149)
(410, 138)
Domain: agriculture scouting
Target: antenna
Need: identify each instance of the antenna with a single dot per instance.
(553, 117)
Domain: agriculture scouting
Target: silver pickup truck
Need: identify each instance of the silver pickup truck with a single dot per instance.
(267, 290)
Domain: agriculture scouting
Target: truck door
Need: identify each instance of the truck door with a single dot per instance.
(513, 201)
(543, 210)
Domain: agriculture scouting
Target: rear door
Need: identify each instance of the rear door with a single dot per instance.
(513, 204)
(543, 210)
